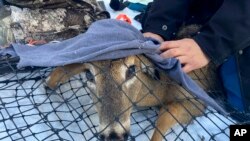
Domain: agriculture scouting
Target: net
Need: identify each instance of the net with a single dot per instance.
(31, 111)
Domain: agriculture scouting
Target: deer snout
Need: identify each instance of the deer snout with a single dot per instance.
(114, 136)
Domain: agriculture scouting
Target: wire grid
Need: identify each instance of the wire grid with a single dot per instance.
(30, 111)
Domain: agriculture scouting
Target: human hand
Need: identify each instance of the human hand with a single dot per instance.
(187, 51)
(155, 36)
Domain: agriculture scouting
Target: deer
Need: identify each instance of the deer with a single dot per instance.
(118, 85)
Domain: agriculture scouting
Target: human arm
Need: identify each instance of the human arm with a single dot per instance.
(163, 21)
(226, 33)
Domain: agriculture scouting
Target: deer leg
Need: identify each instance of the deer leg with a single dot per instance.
(62, 74)
(175, 113)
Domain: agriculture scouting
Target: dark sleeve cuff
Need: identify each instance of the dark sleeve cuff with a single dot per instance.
(213, 47)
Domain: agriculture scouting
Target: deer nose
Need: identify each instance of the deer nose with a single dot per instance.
(113, 136)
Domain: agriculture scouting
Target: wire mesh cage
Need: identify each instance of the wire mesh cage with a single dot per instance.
(29, 110)
(111, 100)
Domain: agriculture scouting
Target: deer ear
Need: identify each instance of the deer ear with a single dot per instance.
(149, 68)
(62, 74)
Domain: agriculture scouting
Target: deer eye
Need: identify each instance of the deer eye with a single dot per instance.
(130, 72)
(89, 76)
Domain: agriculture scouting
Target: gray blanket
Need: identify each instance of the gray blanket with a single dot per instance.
(106, 39)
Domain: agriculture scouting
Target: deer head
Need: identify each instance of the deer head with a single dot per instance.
(116, 85)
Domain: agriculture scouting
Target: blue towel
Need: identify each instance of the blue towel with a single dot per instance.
(106, 39)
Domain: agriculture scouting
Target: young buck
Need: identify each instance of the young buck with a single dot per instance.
(118, 85)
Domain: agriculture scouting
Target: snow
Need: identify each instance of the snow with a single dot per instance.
(31, 112)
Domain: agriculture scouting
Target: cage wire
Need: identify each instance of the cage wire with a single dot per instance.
(30, 111)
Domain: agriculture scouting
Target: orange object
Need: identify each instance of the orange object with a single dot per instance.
(35, 42)
(124, 17)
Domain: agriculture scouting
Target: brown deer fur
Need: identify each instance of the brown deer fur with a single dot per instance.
(115, 91)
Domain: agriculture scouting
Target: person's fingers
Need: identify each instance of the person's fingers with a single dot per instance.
(169, 44)
(187, 68)
(155, 36)
(187, 51)
(183, 59)
(175, 52)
